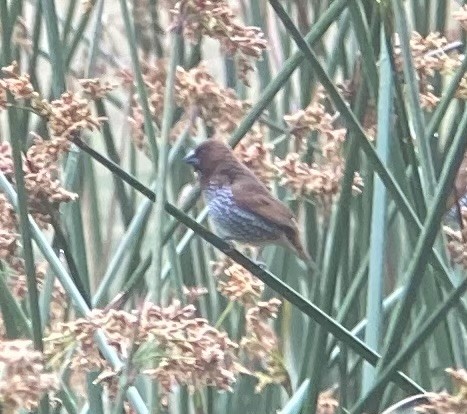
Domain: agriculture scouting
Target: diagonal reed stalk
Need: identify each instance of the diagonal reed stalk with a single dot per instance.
(417, 265)
(167, 119)
(271, 280)
(108, 352)
(380, 258)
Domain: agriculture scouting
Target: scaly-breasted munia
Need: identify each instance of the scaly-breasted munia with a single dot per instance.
(240, 205)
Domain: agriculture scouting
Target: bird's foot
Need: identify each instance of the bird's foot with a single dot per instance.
(231, 247)
(261, 264)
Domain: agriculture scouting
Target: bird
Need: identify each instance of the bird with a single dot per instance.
(241, 207)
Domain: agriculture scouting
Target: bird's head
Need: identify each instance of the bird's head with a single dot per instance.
(208, 156)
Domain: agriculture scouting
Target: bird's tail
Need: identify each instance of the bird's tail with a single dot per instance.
(302, 254)
(297, 246)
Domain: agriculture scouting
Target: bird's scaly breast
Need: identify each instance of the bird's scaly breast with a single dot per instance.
(235, 223)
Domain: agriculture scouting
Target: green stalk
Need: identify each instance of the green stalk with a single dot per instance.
(446, 99)
(176, 271)
(411, 347)
(73, 218)
(344, 24)
(416, 269)
(359, 329)
(16, 141)
(297, 401)
(17, 324)
(94, 47)
(264, 69)
(78, 34)
(68, 20)
(331, 266)
(94, 392)
(378, 220)
(126, 242)
(167, 117)
(414, 100)
(362, 33)
(46, 297)
(32, 64)
(55, 47)
(156, 30)
(149, 129)
(96, 233)
(123, 200)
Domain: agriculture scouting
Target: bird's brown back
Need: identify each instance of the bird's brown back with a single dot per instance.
(250, 193)
(218, 166)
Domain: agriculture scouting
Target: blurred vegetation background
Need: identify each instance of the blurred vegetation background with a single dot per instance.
(116, 296)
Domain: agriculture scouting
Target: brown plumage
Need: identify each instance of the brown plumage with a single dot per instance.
(240, 205)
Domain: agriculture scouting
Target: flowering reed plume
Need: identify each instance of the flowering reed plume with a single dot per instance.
(197, 92)
(444, 403)
(236, 283)
(430, 57)
(174, 346)
(96, 88)
(65, 116)
(260, 344)
(319, 180)
(216, 19)
(23, 379)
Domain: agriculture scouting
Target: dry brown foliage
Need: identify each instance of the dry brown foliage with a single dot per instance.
(217, 20)
(175, 346)
(23, 378)
(445, 403)
(319, 180)
(259, 344)
(429, 57)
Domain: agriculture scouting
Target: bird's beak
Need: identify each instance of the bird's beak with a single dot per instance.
(191, 159)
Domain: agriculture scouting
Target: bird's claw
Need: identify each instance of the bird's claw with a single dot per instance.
(231, 247)
(262, 265)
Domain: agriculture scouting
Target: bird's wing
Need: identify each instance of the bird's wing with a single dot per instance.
(255, 198)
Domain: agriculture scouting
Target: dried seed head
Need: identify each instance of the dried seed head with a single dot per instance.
(23, 379)
(70, 114)
(96, 88)
(193, 293)
(216, 19)
(319, 180)
(189, 351)
(257, 156)
(444, 402)
(237, 283)
(327, 403)
(18, 85)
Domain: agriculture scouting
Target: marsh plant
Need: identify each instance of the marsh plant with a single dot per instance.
(116, 295)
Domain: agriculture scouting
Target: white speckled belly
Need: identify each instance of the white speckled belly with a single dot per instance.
(234, 223)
